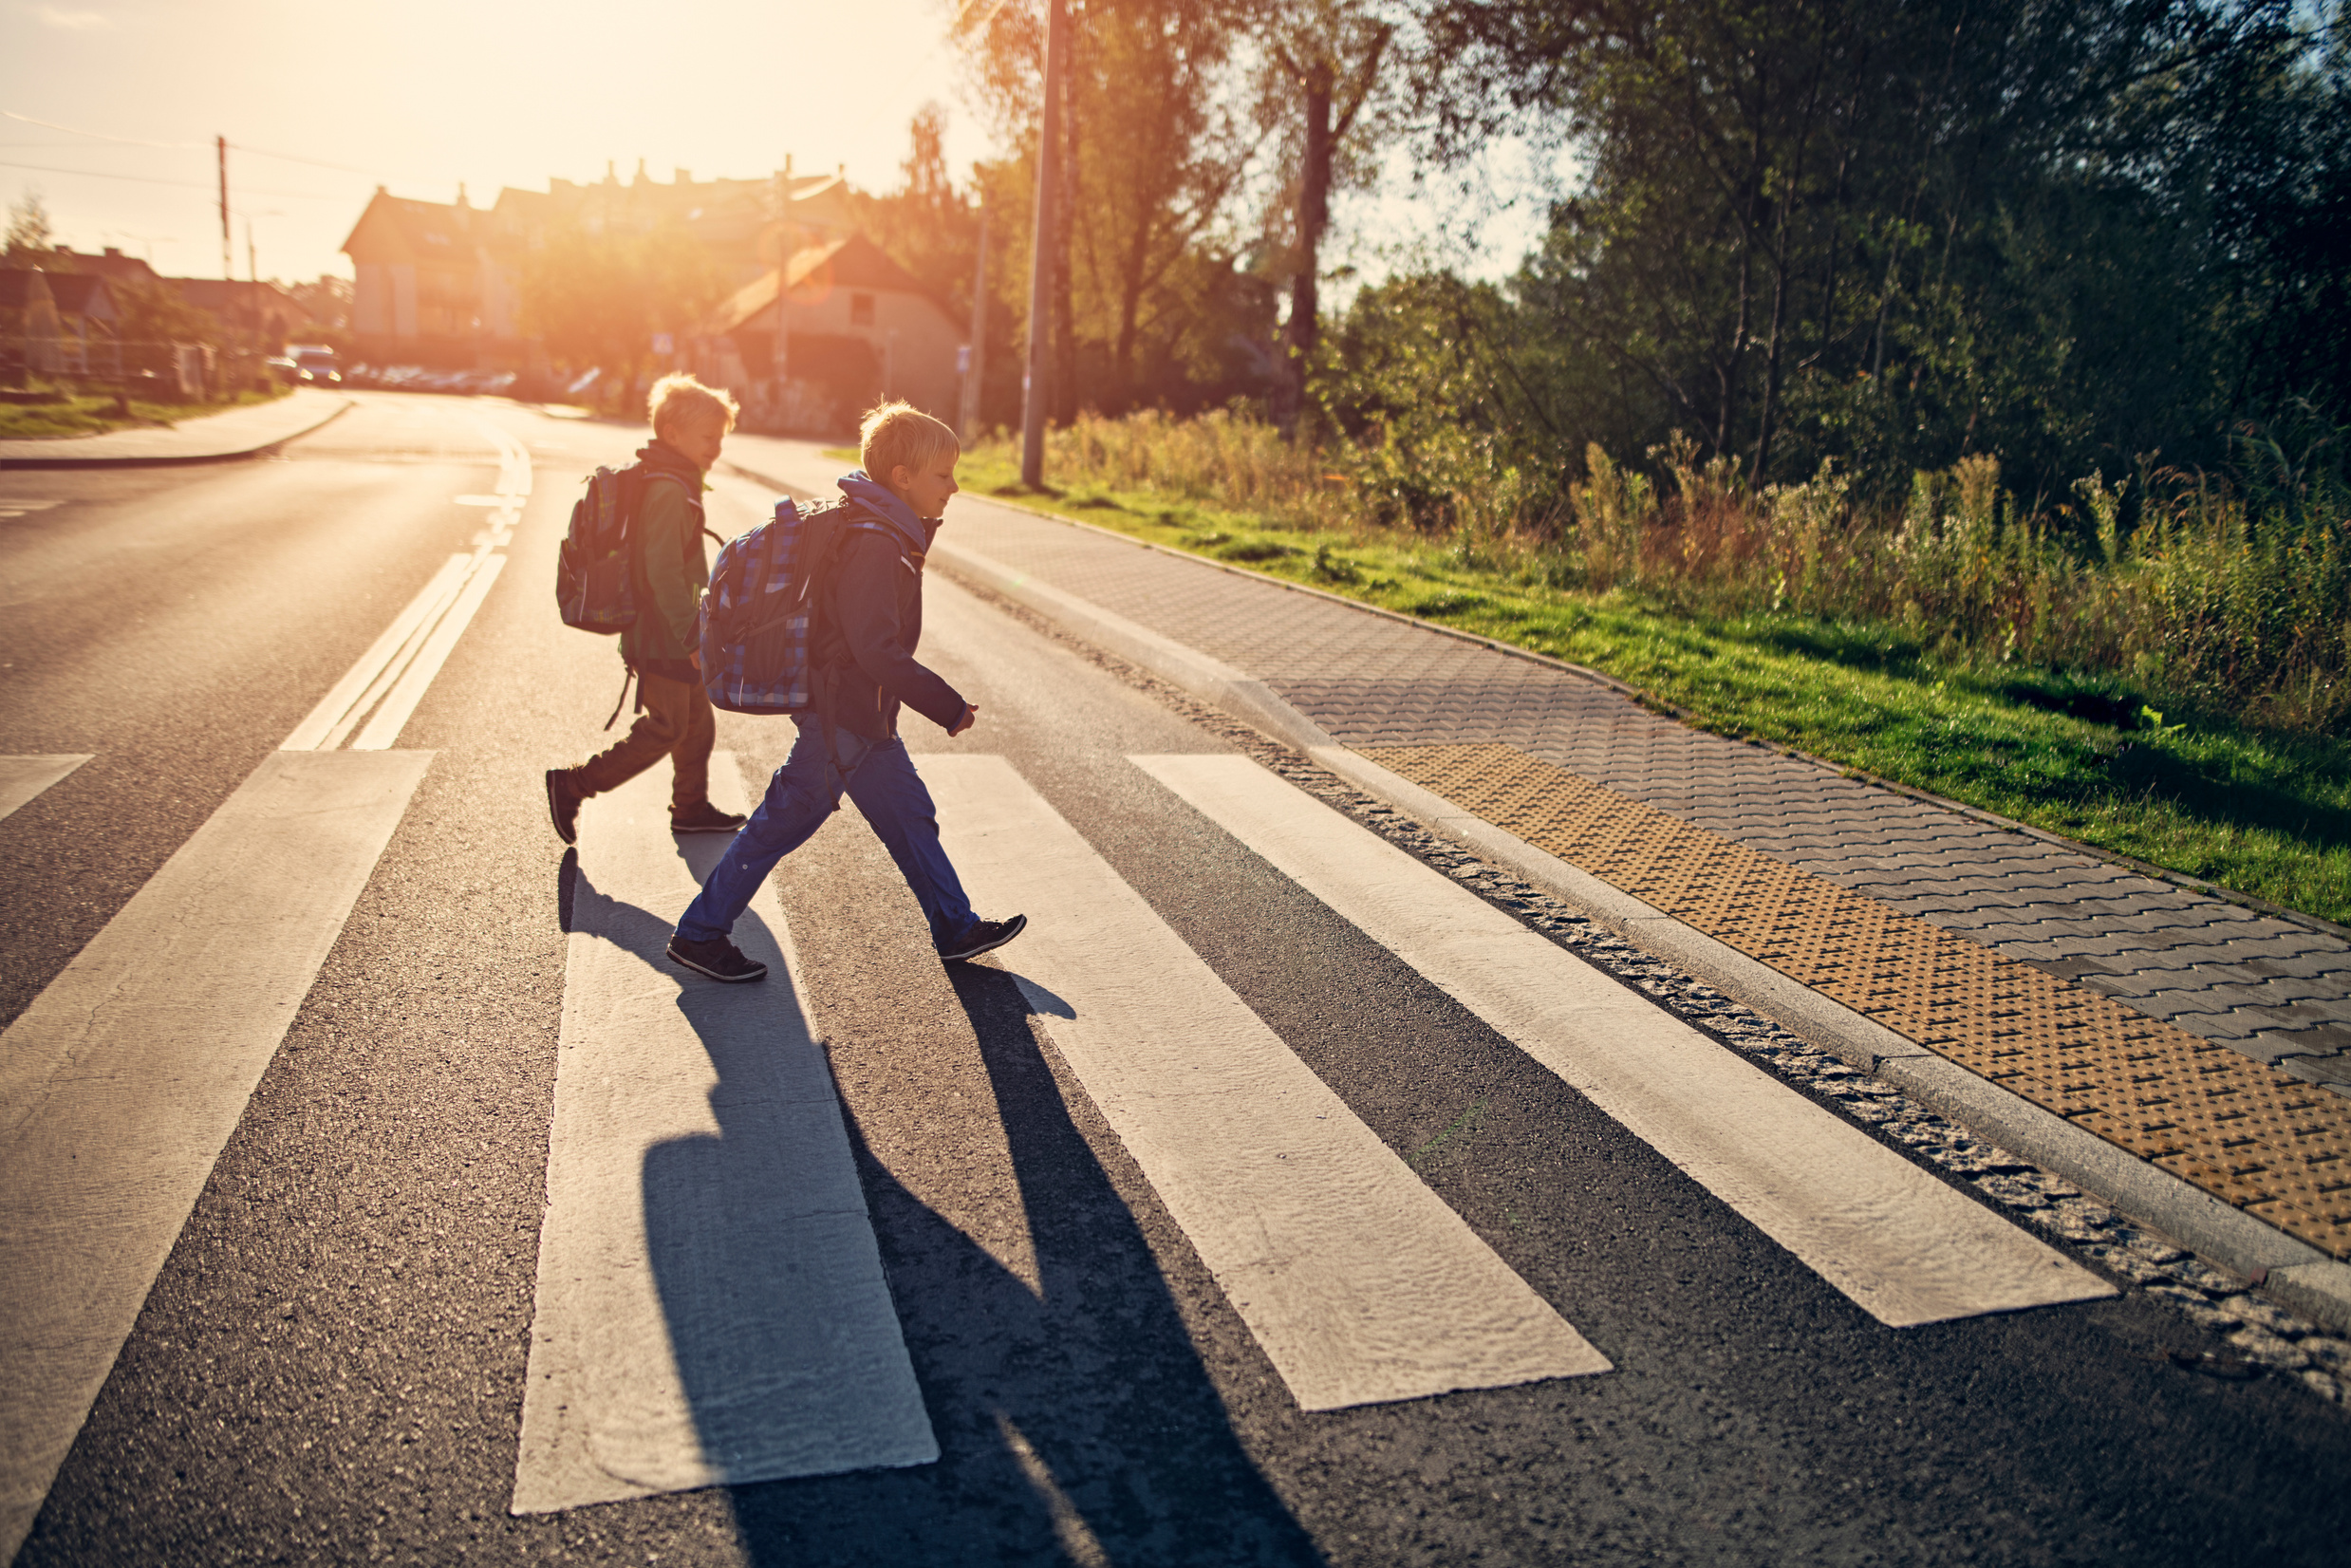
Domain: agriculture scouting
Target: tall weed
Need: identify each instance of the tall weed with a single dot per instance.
(2236, 597)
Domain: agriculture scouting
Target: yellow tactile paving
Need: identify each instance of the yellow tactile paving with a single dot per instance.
(2265, 1141)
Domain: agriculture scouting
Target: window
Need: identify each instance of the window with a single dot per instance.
(861, 310)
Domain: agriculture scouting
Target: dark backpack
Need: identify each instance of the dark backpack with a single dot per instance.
(595, 579)
(756, 617)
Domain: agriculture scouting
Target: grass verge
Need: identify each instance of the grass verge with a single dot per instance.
(94, 414)
(2263, 813)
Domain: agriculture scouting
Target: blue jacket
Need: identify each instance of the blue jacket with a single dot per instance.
(870, 619)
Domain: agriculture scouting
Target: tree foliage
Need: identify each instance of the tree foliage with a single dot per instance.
(598, 298)
(1898, 232)
(1152, 303)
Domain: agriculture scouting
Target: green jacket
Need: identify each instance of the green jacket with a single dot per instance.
(672, 571)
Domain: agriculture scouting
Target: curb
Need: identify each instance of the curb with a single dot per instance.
(260, 449)
(2292, 1272)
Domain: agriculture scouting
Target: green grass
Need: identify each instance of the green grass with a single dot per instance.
(2263, 813)
(94, 415)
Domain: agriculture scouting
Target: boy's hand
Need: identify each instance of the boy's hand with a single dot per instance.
(970, 717)
(696, 655)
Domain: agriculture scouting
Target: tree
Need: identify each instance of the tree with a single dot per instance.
(1900, 231)
(598, 298)
(1322, 66)
(1157, 142)
(31, 242)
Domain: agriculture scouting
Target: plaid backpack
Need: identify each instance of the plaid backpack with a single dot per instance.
(595, 588)
(755, 616)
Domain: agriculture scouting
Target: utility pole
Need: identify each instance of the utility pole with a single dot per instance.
(228, 268)
(1033, 386)
(968, 420)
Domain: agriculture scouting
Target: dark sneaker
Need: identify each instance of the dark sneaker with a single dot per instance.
(563, 804)
(704, 818)
(716, 958)
(985, 936)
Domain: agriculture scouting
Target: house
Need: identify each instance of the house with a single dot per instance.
(811, 344)
(261, 314)
(442, 284)
(58, 323)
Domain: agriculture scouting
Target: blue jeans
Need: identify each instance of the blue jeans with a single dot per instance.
(880, 777)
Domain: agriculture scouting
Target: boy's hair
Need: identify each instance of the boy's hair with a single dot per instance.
(895, 433)
(679, 400)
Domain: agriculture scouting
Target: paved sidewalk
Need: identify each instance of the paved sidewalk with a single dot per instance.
(2116, 985)
(216, 437)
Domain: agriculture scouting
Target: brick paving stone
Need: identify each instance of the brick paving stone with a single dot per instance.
(2165, 950)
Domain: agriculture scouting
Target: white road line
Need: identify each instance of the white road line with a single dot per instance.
(383, 731)
(363, 684)
(711, 1303)
(1360, 1284)
(122, 1081)
(404, 660)
(1903, 1245)
(23, 778)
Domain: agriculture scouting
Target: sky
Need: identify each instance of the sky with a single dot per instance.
(324, 100)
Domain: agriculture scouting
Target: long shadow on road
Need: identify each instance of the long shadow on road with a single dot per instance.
(1075, 1422)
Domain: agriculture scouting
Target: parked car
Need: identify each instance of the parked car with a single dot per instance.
(284, 370)
(315, 365)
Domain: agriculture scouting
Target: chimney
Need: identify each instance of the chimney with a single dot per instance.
(609, 178)
(462, 202)
(114, 251)
(641, 176)
(685, 177)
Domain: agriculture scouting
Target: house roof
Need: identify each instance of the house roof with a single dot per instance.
(113, 265)
(852, 263)
(399, 229)
(80, 294)
(73, 294)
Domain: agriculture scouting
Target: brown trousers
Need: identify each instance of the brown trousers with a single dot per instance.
(676, 723)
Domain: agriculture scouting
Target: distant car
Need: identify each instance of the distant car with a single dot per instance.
(315, 365)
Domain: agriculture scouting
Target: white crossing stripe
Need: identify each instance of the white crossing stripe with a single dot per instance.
(363, 684)
(391, 678)
(1360, 1284)
(24, 777)
(1903, 1245)
(711, 1308)
(383, 731)
(123, 1079)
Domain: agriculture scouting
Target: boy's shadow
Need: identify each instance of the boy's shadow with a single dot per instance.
(1073, 1421)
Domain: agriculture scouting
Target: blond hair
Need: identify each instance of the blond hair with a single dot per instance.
(899, 433)
(679, 400)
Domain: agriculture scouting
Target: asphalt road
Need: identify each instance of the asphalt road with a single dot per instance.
(330, 1366)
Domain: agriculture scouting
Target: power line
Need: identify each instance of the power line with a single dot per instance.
(187, 184)
(99, 136)
(187, 146)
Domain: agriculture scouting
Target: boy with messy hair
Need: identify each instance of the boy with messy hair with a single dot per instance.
(690, 421)
(862, 671)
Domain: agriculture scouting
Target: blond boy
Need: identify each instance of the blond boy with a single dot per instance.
(690, 422)
(861, 648)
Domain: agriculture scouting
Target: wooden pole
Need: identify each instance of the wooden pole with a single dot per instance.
(967, 422)
(228, 267)
(1035, 384)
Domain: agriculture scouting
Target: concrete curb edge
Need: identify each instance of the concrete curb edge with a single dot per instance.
(259, 449)
(2296, 1275)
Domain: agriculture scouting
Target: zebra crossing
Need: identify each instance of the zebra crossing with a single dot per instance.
(711, 1306)
(1357, 1282)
